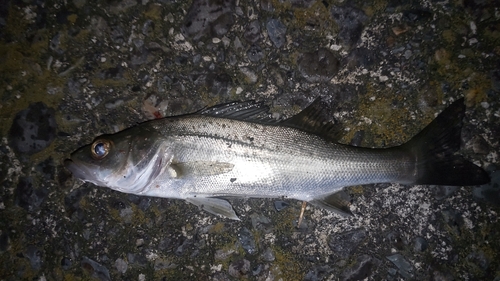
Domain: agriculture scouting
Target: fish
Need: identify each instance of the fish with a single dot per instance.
(237, 150)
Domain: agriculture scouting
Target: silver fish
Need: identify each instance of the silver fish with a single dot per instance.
(233, 150)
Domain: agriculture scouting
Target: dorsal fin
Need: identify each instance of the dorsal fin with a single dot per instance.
(251, 111)
(311, 120)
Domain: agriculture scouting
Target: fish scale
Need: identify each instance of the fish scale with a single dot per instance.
(333, 165)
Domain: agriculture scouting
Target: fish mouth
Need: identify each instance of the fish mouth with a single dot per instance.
(79, 171)
(75, 169)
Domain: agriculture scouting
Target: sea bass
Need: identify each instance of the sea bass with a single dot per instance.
(234, 150)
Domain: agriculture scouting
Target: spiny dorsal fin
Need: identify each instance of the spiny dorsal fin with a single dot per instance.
(251, 111)
(337, 202)
(312, 120)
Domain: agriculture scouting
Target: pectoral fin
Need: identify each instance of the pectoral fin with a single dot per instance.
(215, 206)
(337, 202)
(199, 168)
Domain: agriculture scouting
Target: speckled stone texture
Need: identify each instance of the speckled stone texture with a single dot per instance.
(73, 70)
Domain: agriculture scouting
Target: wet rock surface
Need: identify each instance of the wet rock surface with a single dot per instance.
(343, 244)
(33, 129)
(319, 66)
(73, 70)
(350, 21)
(208, 18)
(277, 32)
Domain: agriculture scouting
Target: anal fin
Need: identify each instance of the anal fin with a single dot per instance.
(215, 206)
(337, 202)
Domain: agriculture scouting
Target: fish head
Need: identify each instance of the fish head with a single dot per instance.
(128, 161)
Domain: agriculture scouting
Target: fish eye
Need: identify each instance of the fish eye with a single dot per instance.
(100, 148)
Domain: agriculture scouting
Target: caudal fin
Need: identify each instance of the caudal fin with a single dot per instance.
(435, 146)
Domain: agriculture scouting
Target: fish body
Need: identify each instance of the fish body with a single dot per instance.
(231, 151)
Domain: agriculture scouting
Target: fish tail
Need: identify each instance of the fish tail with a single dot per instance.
(434, 149)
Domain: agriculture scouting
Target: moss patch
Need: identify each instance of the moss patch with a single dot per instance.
(286, 266)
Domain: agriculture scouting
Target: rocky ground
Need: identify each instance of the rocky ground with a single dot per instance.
(72, 70)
